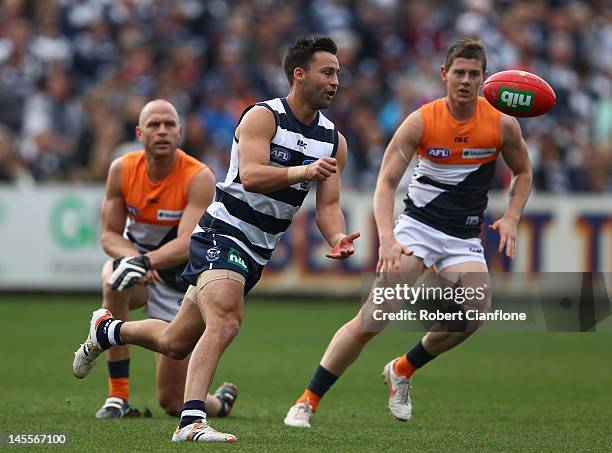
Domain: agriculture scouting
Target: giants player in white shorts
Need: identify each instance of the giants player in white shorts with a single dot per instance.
(457, 140)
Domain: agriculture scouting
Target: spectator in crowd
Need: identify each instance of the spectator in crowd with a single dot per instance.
(53, 122)
(18, 70)
(12, 168)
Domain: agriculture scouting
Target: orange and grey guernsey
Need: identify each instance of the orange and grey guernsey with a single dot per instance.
(257, 221)
(455, 168)
(155, 209)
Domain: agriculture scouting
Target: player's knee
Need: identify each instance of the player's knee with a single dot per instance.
(170, 403)
(361, 333)
(107, 294)
(364, 327)
(174, 348)
(226, 326)
(472, 325)
(177, 351)
(481, 306)
(231, 326)
(113, 300)
(107, 270)
(365, 337)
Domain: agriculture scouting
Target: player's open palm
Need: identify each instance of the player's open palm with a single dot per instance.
(321, 169)
(506, 228)
(344, 247)
(390, 256)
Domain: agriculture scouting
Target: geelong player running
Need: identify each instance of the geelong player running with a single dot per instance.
(457, 140)
(153, 200)
(280, 148)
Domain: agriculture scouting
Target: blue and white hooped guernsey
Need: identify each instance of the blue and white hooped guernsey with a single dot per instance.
(257, 221)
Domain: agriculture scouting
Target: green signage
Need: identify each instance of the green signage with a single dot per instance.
(72, 225)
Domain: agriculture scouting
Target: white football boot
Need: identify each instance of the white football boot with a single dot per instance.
(400, 402)
(201, 431)
(85, 357)
(299, 415)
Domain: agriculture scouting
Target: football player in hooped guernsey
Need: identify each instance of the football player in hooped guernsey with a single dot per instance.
(457, 140)
(154, 199)
(280, 147)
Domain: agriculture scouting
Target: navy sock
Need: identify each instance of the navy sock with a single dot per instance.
(321, 381)
(418, 355)
(108, 333)
(192, 410)
(117, 338)
(119, 368)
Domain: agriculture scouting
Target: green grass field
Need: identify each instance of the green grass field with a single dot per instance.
(497, 392)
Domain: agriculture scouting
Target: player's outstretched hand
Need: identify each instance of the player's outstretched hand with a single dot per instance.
(127, 271)
(321, 169)
(344, 247)
(507, 235)
(389, 256)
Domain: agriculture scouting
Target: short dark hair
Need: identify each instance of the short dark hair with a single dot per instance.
(300, 54)
(472, 49)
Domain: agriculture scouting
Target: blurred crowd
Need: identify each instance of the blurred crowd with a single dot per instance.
(75, 73)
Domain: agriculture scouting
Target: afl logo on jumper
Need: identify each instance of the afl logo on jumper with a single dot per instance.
(437, 152)
(280, 154)
(133, 210)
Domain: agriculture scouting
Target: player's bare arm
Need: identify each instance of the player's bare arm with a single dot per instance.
(514, 151)
(330, 218)
(256, 174)
(399, 153)
(114, 215)
(200, 195)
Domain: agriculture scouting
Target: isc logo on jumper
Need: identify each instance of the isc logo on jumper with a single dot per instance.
(438, 152)
(515, 99)
(472, 220)
(280, 154)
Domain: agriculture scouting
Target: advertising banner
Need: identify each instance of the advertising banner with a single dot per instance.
(49, 238)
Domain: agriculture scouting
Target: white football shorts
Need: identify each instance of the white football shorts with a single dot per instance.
(437, 249)
(163, 302)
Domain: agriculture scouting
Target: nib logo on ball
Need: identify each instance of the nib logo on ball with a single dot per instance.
(515, 99)
(519, 93)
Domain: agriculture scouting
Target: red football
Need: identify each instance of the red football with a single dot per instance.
(519, 93)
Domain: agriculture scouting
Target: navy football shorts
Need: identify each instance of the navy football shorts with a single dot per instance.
(208, 250)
